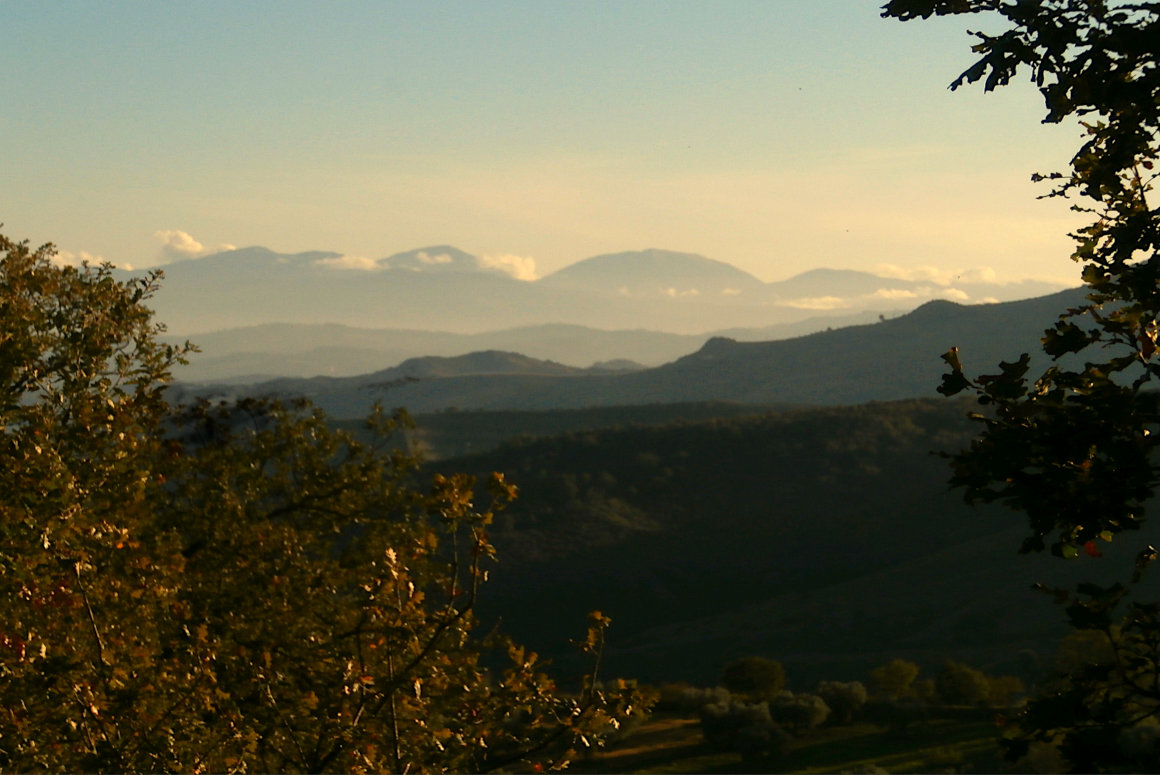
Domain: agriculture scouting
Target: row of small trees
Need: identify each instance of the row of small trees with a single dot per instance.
(753, 713)
(954, 684)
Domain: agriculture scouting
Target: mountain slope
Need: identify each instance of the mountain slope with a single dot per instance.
(892, 359)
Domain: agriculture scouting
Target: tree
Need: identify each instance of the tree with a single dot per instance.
(735, 725)
(237, 587)
(756, 677)
(799, 711)
(960, 684)
(895, 679)
(1004, 690)
(1075, 447)
(81, 375)
(844, 698)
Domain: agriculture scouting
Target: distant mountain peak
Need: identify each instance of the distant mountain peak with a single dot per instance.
(435, 258)
(655, 272)
(825, 271)
(933, 308)
(259, 252)
(475, 363)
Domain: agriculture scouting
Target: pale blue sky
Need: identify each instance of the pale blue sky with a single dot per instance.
(775, 135)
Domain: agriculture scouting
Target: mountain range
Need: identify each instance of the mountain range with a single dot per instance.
(269, 350)
(441, 288)
(890, 359)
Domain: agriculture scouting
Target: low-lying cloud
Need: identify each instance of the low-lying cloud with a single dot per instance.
(983, 275)
(894, 293)
(818, 302)
(69, 258)
(933, 291)
(177, 245)
(953, 294)
(519, 267)
(350, 262)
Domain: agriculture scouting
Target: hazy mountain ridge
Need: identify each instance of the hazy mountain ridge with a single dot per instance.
(891, 359)
(656, 273)
(272, 350)
(444, 288)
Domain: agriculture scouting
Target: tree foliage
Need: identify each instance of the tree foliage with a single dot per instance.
(1074, 448)
(961, 684)
(844, 698)
(799, 711)
(237, 587)
(757, 677)
(895, 679)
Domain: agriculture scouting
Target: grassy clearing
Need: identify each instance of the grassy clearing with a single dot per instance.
(934, 746)
(675, 745)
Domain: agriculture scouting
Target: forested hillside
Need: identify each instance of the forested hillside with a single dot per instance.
(825, 538)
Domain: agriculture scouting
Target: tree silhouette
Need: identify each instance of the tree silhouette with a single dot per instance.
(1074, 448)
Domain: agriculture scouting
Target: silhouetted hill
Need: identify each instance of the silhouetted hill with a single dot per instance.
(892, 359)
(486, 362)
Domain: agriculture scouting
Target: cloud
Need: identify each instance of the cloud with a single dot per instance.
(931, 274)
(69, 258)
(980, 274)
(894, 293)
(349, 262)
(177, 245)
(818, 302)
(519, 267)
(438, 258)
(730, 292)
(673, 293)
(953, 294)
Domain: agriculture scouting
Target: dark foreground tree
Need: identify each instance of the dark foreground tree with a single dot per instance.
(1074, 448)
(237, 588)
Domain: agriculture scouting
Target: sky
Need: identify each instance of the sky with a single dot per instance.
(775, 135)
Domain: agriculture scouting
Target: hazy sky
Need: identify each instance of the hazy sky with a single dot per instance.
(776, 135)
